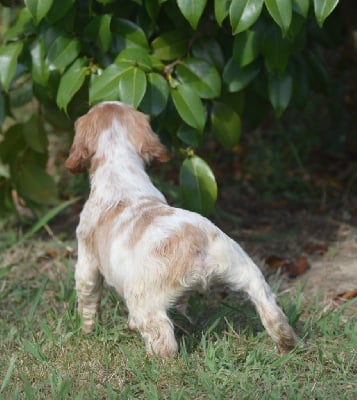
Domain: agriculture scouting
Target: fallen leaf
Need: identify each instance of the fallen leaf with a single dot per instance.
(297, 267)
(293, 268)
(68, 251)
(276, 262)
(51, 252)
(349, 295)
(315, 249)
(59, 252)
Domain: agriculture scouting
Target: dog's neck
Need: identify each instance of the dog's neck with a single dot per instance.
(119, 174)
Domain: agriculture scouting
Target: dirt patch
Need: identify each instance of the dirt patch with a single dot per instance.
(285, 231)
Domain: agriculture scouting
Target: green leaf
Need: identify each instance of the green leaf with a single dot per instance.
(170, 45)
(22, 26)
(318, 74)
(105, 86)
(156, 95)
(35, 134)
(98, 30)
(192, 10)
(48, 93)
(38, 8)
(198, 185)
(71, 81)
(236, 77)
(129, 34)
(243, 14)
(323, 8)
(276, 50)
(301, 7)
(280, 90)
(39, 72)
(21, 95)
(157, 64)
(12, 144)
(190, 136)
(8, 61)
(281, 12)
(3, 108)
(189, 106)
(132, 86)
(246, 47)
(57, 118)
(210, 50)
(202, 77)
(59, 10)
(236, 101)
(62, 52)
(136, 57)
(152, 8)
(4, 173)
(226, 125)
(221, 10)
(297, 33)
(33, 184)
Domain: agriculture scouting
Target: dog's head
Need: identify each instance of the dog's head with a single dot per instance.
(101, 118)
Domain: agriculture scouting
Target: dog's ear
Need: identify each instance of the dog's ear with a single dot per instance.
(73, 163)
(82, 148)
(147, 142)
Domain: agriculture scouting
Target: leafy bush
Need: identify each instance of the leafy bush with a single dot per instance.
(196, 66)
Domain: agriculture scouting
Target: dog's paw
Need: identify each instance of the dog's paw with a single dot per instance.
(87, 327)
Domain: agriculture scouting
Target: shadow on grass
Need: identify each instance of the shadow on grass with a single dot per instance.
(210, 314)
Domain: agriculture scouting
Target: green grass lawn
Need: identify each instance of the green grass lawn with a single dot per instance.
(224, 352)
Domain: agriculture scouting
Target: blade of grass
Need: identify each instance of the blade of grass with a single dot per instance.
(60, 386)
(47, 331)
(35, 350)
(47, 217)
(5, 270)
(27, 388)
(36, 300)
(8, 374)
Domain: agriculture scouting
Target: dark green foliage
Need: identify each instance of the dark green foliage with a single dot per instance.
(178, 60)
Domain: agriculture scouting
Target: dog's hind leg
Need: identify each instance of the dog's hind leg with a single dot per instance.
(272, 317)
(89, 283)
(243, 274)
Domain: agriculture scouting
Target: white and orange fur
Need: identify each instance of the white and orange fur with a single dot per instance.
(151, 253)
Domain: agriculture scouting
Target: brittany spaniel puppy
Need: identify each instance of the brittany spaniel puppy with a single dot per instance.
(151, 253)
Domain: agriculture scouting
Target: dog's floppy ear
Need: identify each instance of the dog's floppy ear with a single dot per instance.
(87, 131)
(73, 162)
(83, 146)
(146, 141)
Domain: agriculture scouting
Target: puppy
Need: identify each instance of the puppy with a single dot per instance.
(151, 253)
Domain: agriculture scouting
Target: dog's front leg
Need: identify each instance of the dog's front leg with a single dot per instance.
(89, 283)
(150, 318)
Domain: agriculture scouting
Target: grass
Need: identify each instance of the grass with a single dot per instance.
(224, 353)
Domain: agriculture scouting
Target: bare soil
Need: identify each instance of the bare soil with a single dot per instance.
(327, 239)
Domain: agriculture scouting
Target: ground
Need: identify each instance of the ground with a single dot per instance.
(224, 353)
(273, 233)
(327, 239)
